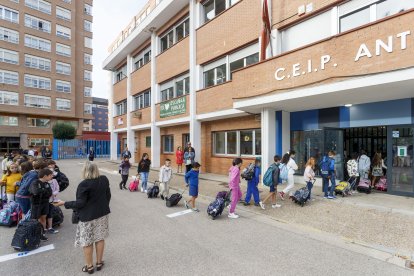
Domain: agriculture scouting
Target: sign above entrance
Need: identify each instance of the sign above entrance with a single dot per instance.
(395, 134)
(173, 107)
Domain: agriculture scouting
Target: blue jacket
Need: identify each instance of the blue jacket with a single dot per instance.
(27, 179)
(331, 163)
(256, 176)
(191, 178)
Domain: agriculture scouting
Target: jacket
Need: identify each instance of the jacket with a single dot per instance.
(276, 174)
(24, 185)
(144, 165)
(92, 199)
(40, 191)
(234, 173)
(55, 189)
(309, 174)
(189, 155)
(179, 157)
(124, 167)
(364, 164)
(165, 174)
(352, 168)
(126, 153)
(191, 178)
(292, 166)
(256, 176)
(10, 181)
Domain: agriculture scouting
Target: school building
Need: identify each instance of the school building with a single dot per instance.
(338, 75)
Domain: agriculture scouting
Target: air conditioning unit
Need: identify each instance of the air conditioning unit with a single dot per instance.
(137, 114)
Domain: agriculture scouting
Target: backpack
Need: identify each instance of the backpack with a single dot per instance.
(284, 172)
(324, 165)
(173, 200)
(10, 214)
(153, 191)
(248, 172)
(27, 235)
(268, 176)
(63, 181)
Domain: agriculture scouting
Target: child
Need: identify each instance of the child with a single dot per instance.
(273, 187)
(124, 171)
(252, 185)
(53, 199)
(309, 175)
(10, 179)
(179, 158)
(191, 178)
(288, 160)
(234, 186)
(352, 167)
(143, 169)
(164, 178)
(41, 192)
(328, 174)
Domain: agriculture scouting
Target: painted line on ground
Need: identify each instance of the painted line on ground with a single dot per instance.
(13, 256)
(109, 171)
(177, 214)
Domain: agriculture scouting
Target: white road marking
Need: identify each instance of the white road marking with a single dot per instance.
(109, 171)
(173, 215)
(9, 257)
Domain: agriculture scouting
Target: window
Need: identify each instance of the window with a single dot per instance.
(87, 91)
(88, 42)
(121, 108)
(87, 58)
(389, 7)
(63, 86)
(182, 87)
(142, 100)
(39, 5)
(167, 94)
(63, 68)
(63, 13)
(37, 23)
(37, 101)
(120, 74)
(8, 56)
(67, 1)
(37, 82)
(177, 87)
(215, 76)
(9, 121)
(87, 108)
(174, 35)
(243, 62)
(88, 9)
(62, 104)
(63, 32)
(147, 141)
(238, 143)
(72, 123)
(9, 77)
(37, 62)
(212, 8)
(168, 144)
(38, 122)
(9, 98)
(142, 58)
(9, 35)
(63, 50)
(87, 75)
(87, 25)
(40, 141)
(37, 43)
(9, 14)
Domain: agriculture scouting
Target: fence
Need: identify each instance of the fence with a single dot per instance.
(73, 149)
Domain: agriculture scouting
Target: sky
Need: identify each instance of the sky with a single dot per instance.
(109, 19)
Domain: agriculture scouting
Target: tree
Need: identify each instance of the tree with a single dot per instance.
(63, 131)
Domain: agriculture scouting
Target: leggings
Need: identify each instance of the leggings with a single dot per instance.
(124, 180)
(236, 194)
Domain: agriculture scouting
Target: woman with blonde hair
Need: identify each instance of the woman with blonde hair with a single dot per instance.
(92, 208)
(309, 174)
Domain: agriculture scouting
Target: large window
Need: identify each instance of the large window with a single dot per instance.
(39, 5)
(63, 50)
(142, 100)
(63, 32)
(237, 143)
(37, 142)
(215, 76)
(37, 62)
(63, 13)
(87, 92)
(88, 9)
(9, 35)
(87, 58)
(37, 43)
(9, 14)
(120, 74)
(87, 25)
(63, 68)
(37, 101)
(37, 82)
(175, 34)
(212, 8)
(38, 122)
(87, 75)
(121, 108)
(9, 98)
(63, 104)
(37, 23)
(87, 108)
(9, 77)
(175, 88)
(63, 86)
(9, 121)
(142, 58)
(88, 42)
(9, 56)
(167, 144)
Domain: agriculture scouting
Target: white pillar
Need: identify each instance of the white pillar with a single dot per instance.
(195, 125)
(268, 137)
(114, 136)
(114, 146)
(130, 132)
(155, 131)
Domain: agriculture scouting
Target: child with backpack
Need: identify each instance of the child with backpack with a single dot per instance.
(309, 175)
(352, 168)
(53, 199)
(191, 178)
(9, 180)
(328, 174)
(290, 164)
(234, 186)
(164, 178)
(252, 175)
(124, 171)
(271, 179)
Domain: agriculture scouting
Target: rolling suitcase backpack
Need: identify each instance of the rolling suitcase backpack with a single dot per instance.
(27, 235)
(57, 215)
(215, 208)
(153, 191)
(173, 200)
(382, 184)
(133, 186)
(364, 186)
(301, 196)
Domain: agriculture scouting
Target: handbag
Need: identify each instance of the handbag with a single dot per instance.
(188, 162)
(75, 216)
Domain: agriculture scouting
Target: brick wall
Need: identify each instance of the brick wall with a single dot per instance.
(178, 132)
(120, 90)
(141, 147)
(141, 79)
(174, 61)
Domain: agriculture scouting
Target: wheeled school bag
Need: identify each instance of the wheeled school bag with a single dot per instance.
(215, 208)
(173, 200)
(301, 196)
(57, 216)
(382, 184)
(133, 186)
(10, 214)
(343, 188)
(226, 196)
(27, 235)
(153, 191)
(364, 186)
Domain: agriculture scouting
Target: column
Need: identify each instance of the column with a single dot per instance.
(268, 137)
(155, 131)
(130, 132)
(195, 125)
(114, 136)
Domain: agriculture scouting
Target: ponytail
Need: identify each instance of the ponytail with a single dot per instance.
(237, 161)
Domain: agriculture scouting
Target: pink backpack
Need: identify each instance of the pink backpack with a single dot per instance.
(382, 184)
(133, 185)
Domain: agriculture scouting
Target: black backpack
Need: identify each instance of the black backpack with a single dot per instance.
(173, 200)
(248, 172)
(27, 235)
(57, 216)
(153, 191)
(63, 181)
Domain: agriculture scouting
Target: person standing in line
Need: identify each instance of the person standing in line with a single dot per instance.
(143, 170)
(10, 179)
(54, 185)
(273, 187)
(4, 163)
(288, 160)
(364, 165)
(164, 178)
(252, 185)
(91, 155)
(328, 174)
(191, 178)
(126, 153)
(124, 171)
(189, 159)
(179, 158)
(48, 153)
(377, 169)
(309, 175)
(352, 168)
(234, 186)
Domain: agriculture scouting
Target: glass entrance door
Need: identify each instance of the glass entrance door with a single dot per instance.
(334, 140)
(400, 160)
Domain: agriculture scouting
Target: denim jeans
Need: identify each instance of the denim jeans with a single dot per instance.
(144, 179)
(24, 204)
(309, 185)
(325, 184)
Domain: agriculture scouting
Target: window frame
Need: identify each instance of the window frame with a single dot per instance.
(34, 119)
(10, 52)
(10, 80)
(87, 25)
(38, 5)
(173, 33)
(171, 144)
(63, 108)
(66, 47)
(238, 143)
(3, 117)
(63, 32)
(85, 73)
(38, 98)
(9, 35)
(64, 85)
(47, 82)
(87, 110)
(139, 100)
(228, 4)
(140, 59)
(87, 94)
(13, 97)
(121, 108)
(34, 22)
(63, 68)
(62, 12)
(38, 44)
(12, 19)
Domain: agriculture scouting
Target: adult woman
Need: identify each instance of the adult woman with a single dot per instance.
(124, 171)
(288, 160)
(377, 168)
(91, 155)
(92, 206)
(143, 170)
(189, 156)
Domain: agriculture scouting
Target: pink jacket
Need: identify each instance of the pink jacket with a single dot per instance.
(234, 173)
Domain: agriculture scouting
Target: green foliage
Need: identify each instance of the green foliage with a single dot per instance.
(63, 131)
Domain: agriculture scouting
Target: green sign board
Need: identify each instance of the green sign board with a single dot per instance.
(173, 107)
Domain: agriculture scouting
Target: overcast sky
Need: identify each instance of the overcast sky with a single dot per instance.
(110, 17)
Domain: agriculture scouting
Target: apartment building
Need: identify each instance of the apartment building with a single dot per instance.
(45, 69)
(338, 75)
(99, 123)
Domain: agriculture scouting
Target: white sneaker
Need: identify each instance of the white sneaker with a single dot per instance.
(233, 216)
(145, 191)
(142, 190)
(276, 206)
(262, 205)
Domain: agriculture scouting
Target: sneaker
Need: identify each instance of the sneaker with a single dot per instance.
(142, 190)
(233, 216)
(52, 231)
(330, 197)
(246, 203)
(186, 204)
(325, 197)
(281, 194)
(43, 238)
(262, 205)
(195, 210)
(256, 204)
(162, 197)
(276, 206)
(145, 191)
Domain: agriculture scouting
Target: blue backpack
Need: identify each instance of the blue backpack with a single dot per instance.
(324, 165)
(268, 176)
(284, 172)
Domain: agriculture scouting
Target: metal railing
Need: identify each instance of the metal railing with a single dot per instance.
(77, 149)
